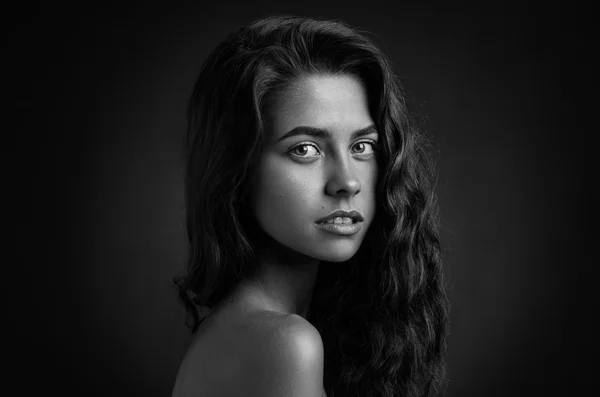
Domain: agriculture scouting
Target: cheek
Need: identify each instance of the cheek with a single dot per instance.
(372, 182)
(281, 196)
(368, 180)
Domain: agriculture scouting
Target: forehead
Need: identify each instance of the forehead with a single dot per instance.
(337, 103)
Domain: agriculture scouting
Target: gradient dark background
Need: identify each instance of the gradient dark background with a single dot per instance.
(101, 94)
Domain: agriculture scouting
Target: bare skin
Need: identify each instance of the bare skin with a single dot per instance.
(228, 351)
(257, 341)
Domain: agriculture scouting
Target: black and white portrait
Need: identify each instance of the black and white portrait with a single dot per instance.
(317, 199)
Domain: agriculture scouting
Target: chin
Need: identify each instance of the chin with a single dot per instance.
(337, 254)
(337, 258)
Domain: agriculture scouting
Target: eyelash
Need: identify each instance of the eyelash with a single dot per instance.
(376, 146)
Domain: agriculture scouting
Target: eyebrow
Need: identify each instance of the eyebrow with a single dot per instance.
(325, 134)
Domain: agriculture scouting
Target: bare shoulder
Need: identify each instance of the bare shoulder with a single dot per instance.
(284, 357)
(259, 354)
(286, 337)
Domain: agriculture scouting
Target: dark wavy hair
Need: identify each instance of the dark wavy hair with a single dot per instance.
(383, 314)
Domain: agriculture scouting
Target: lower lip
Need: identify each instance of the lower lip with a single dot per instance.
(340, 228)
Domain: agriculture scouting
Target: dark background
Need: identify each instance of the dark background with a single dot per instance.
(100, 94)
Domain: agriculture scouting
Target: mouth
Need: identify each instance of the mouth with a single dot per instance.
(347, 227)
(342, 218)
(339, 221)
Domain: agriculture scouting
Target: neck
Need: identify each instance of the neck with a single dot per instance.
(284, 279)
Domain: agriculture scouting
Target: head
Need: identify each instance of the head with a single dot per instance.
(287, 124)
(290, 120)
(319, 155)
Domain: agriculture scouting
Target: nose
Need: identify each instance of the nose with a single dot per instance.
(343, 181)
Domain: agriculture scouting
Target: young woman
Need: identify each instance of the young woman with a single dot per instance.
(315, 260)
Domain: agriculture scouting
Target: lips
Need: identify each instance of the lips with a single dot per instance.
(354, 215)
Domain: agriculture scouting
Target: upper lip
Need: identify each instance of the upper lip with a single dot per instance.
(355, 215)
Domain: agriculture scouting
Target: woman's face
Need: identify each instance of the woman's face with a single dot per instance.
(319, 157)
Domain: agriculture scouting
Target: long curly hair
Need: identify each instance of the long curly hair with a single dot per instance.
(383, 314)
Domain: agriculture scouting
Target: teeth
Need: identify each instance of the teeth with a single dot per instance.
(339, 220)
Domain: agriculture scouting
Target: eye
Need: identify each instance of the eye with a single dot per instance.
(303, 149)
(363, 147)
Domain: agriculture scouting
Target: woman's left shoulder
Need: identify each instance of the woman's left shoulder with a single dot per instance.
(289, 346)
(289, 330)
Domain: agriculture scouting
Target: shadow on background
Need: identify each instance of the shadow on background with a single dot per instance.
(102, 92)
